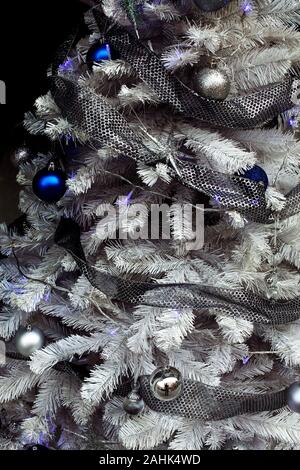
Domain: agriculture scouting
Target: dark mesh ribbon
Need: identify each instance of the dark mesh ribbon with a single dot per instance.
(292, 205)
(206, 403)
(234, 303)
(243, 112)
(100, 121)
(105, 125)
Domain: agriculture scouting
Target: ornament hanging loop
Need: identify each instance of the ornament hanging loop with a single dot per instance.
(272, 278)
(51, 166)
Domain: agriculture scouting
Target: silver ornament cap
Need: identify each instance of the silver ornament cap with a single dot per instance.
(211, 5)
(133, 404)
(166, 383)
(293, 397)
(29, 340)
(212, 83)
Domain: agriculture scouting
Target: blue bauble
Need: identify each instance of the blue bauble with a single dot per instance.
(256, 173)
(49, 184)
(211, 5)
(70, 147)
(100, 51)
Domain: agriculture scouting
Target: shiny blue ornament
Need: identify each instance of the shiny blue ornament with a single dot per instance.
(100, 51)
(49, 184)
(256, 173)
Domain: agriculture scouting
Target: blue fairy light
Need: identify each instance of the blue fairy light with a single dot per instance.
(255, 202)
(177, 314)
(125, 200)
(46, 296)
(247, 8)
(217, 198)
(66, 66)
(292, 121)
(113, 331)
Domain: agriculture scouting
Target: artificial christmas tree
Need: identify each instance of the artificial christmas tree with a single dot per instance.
(152, 337)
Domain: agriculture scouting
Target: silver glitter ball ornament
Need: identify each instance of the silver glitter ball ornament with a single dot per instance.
(293, 397)
(271, 280)
(29, 340)
(211, 5)
(133, 404)
(19, 156)
(212, 83)
(166, 383)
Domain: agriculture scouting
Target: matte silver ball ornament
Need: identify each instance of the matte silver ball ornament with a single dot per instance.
(29, 340)
(133, 404)
(211, 5)
(212, 83)
(293, 397)
(166, 383)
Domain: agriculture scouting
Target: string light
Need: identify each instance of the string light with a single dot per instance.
(66, 66)
(125, 200)
(292, 121)
(247, 8)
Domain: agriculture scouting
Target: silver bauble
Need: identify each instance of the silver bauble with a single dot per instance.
(211, 5)
(19, 156)
(166, 383)
(293, 397)
(272, 283)
(271, 279)
(29, 340)
(212, 83)
(133, 404)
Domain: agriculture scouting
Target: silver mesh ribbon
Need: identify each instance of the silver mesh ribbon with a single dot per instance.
(243, 112)
(292, 205)
(234, 303)
(105, 125)
(100, 121)
(206, 403)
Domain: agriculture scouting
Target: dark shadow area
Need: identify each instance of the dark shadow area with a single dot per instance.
(30, 33)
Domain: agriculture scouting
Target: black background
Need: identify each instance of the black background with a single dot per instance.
(30, 32)
(149, 459)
